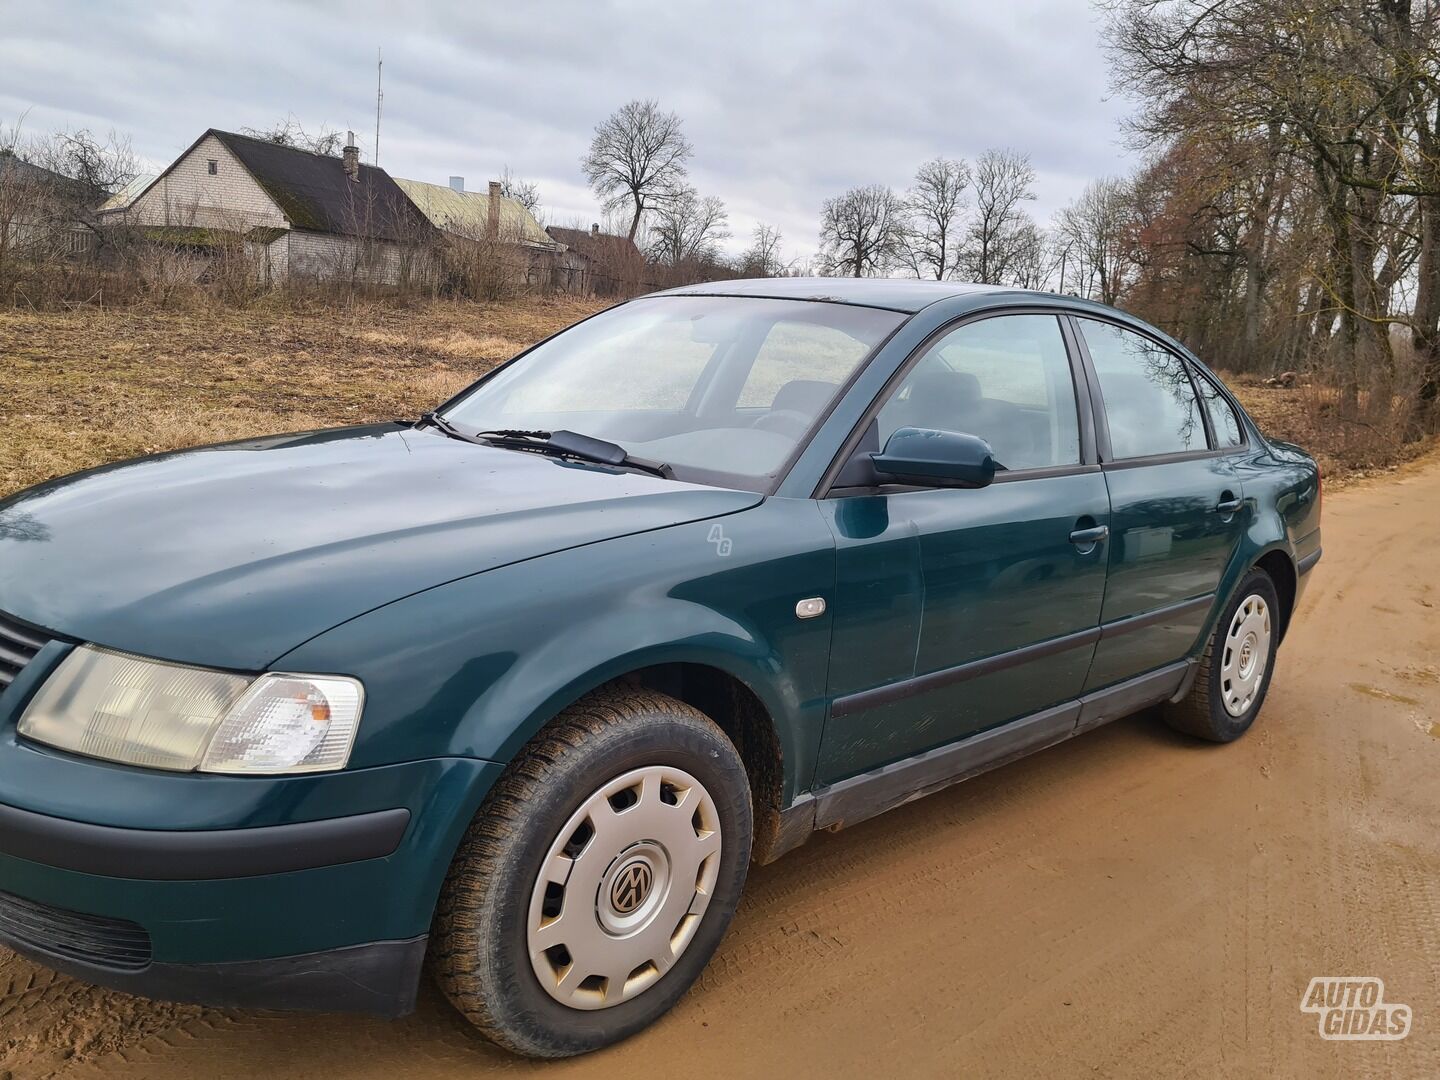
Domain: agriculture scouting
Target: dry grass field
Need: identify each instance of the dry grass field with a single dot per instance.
(82, 388)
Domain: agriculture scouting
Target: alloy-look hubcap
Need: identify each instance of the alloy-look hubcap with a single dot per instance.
(623, 887)
(1247, 651)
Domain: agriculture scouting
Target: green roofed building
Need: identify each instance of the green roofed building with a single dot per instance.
(488, 228)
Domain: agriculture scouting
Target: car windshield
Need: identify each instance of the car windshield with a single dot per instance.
(720, 388)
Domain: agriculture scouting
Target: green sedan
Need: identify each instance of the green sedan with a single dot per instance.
(518, 691)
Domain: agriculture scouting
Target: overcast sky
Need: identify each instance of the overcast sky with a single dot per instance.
(786, 102)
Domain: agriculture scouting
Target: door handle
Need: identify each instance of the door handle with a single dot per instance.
(1084, 537)
(1229, 506)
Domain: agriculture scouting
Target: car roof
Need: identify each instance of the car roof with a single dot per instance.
(897, 294)
(908, 295)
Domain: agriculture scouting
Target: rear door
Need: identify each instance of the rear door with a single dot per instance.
(1176, 501)
(957, 610)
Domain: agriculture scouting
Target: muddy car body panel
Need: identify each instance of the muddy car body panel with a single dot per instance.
(869, 640)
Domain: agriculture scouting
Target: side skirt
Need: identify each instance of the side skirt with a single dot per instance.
(847, 802)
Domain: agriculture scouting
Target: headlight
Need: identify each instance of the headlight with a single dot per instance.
(124, 708)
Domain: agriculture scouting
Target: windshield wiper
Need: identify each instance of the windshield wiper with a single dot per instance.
(439, 423)
(569, 444)
(572, 444)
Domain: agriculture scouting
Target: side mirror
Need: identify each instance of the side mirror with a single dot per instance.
(937, 458)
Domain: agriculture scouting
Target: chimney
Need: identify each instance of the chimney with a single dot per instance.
(457, 183)
(595, 229)
(492, 226)
(351, 156)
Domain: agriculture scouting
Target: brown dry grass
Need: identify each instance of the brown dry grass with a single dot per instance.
(82, 388)
(1348, 449)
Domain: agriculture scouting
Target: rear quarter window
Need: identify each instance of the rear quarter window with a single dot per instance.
(1223, 417)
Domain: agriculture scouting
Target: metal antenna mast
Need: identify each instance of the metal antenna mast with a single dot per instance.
(379, 99)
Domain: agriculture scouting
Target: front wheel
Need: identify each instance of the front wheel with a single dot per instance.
(1236, 667)
(598, 878)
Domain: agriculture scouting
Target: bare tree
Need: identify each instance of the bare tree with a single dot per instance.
(1296, 159)
(1003, 180)
(50, 189)
(862, 231)
(688, 228)
(935, 202)
(637, 158)
(1096, 229)
(762, 258)
(97, 164)
(1035, 257)
(23, 203)
(290, 132)
(522, 191)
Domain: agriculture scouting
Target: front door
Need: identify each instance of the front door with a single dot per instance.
(1177, 504)
(957, 610)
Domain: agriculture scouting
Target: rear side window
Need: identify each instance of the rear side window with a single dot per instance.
(1222, 415)
(1006, 379)
(1150, 401)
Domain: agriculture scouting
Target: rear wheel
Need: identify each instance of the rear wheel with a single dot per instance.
(598, 878)
(1236, 667)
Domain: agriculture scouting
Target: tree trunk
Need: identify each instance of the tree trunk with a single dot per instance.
(1426, 334)
(1254, 248)
(635, 218)
(1344, 348)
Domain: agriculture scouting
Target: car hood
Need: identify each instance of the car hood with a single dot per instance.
(232, 555)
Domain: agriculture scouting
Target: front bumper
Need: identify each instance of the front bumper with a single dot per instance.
(327, 910)
(312, 892)
(200, 855)
(380, 978)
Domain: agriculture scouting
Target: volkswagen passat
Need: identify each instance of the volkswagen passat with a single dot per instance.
(524, 686)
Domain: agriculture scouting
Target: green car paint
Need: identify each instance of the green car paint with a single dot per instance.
(1001, 576)
(476, 591)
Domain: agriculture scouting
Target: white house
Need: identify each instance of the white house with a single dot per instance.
(301, 214)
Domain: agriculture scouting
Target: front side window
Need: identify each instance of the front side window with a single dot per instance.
(1006, 379)
(1150, 402)
(723, 389)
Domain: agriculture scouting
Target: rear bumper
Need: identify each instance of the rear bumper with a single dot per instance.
(1303, 565)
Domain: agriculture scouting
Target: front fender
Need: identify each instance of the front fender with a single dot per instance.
(474, 668)
(563, 670)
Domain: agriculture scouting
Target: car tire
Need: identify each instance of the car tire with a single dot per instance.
(1228, 690)
(500, 929)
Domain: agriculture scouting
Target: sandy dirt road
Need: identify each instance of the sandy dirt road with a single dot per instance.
(1132, 903)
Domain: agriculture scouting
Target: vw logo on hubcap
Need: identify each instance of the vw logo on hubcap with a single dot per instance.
(631, 886)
